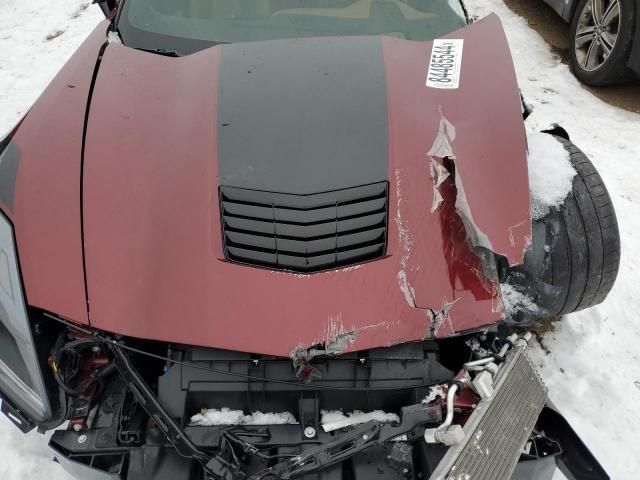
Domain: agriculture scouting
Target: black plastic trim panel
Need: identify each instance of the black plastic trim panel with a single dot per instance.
(304, 233)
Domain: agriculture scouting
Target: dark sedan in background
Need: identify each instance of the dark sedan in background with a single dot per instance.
(604, 39)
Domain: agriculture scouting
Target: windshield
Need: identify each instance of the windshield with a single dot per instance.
(186, 26)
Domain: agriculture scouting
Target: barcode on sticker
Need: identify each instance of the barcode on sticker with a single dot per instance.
(445, 63)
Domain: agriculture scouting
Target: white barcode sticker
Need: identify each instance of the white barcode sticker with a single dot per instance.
(445, 63)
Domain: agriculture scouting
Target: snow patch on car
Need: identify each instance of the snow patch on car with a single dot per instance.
(357, 417)
(515, 301)
(226, 416)
(550, 173)
(114, 37)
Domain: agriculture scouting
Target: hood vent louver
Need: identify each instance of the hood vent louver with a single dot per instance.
(304, 233)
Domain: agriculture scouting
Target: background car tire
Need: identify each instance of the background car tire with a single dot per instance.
(573, 261)
(614, 69)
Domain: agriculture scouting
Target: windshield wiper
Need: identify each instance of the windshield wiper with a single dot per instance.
(160, 51)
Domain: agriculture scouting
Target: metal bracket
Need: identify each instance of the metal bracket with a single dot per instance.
(152, 406)
(355, 441)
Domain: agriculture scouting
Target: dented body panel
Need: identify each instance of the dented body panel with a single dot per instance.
(155, 266)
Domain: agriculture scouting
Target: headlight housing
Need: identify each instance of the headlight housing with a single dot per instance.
(21, 379)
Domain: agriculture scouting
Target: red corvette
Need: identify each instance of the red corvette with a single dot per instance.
(269, 240)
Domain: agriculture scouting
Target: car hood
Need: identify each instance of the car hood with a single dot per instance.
(302, 116)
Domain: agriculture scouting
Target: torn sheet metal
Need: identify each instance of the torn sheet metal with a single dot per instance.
(439, 174)
(476, 236)
(441, 147)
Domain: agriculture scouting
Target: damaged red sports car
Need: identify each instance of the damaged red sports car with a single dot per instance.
(275, 240)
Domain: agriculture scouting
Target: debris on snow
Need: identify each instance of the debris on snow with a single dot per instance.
(54, 35)
(226, 416)
(515, 301)
(550, 173)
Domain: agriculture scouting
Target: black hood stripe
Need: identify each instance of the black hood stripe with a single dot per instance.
(302, 116)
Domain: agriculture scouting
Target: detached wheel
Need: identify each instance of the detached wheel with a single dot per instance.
(601, 39)
(573, 261)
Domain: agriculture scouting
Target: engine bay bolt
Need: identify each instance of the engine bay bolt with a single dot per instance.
(365, 437)
(309, 432)
(77, 427)
(82, 438)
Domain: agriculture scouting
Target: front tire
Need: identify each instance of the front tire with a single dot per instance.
(601, 40)
(574, 257)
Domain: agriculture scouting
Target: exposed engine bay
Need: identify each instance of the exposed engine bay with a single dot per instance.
(139, 410)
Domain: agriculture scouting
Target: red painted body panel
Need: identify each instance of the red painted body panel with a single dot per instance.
(490, 159)
(46, 217)
(155, 266)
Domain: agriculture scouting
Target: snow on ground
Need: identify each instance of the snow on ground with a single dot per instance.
(36, 38)
(593, 368)
(26, 456)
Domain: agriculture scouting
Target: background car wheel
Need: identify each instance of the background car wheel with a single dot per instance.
(601, 39)
(573, 261)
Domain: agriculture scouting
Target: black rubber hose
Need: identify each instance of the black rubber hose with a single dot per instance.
(57, 361)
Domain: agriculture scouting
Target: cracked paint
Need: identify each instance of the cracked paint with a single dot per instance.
(336, 340)
(442, 323)
(404, 239)
(440, 149)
